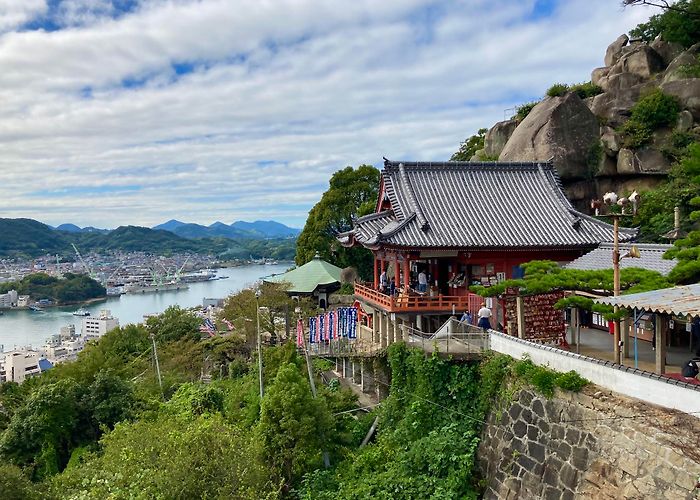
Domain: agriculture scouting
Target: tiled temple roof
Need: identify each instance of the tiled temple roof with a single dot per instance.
(477, 205)
(651, 258)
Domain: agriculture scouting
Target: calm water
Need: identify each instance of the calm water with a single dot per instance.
(32, 328)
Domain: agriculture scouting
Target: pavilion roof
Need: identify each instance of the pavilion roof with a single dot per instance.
(306, 278)
(680, 300)
(490, 205)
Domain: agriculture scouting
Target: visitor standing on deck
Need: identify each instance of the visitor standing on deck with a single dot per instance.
(484, 317)
(422, 282)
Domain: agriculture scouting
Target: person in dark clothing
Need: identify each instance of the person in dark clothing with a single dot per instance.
(695, 333)
(690, 368)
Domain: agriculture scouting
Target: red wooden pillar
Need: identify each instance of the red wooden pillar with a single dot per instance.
(376, 272)
(406, 272)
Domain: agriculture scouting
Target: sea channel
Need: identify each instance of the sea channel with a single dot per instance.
(25, 327)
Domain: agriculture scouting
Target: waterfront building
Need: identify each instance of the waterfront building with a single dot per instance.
(9, 299)
(97, 326)
(23, 301)
(439, 227)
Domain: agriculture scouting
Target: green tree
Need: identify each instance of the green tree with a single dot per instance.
(351, 193)
(174, 324)
(292, 425)
(469, 147)
(679, 23)
(14, 485)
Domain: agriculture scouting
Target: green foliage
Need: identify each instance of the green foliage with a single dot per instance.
(292, 426)
(192, 399)
(545, 380)
(595, 154)
(558, 89)
(680, 24)
(170, 457)
(71, 288)
(174, 324)
(651, 112)
(586, 89)
(470, 146)
(523, 110)
(351, 193)
(14, 485)
(690, 70)
(542, 276)
(346, 289)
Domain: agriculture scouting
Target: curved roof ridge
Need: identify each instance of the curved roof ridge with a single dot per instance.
(412, 198)
(374, 215)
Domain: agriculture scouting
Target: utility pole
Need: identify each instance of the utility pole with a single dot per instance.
(260, 363)
(155, 355)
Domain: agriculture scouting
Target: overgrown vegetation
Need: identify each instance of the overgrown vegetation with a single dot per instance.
(470, 147)
(70, 288)
(523, 110)
(653, 111)
(679, 25)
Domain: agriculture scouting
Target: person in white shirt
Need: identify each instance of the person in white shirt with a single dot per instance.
(422, 282)
(484, 317)
(382, 281)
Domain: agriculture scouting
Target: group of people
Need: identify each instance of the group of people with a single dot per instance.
(388, 286)
(484, 315)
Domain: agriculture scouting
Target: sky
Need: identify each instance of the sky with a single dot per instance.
(116, 112)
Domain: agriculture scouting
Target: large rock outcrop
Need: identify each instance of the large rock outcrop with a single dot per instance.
(561, 128)
(497, 137)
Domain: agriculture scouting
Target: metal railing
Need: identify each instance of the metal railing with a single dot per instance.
(453, 338)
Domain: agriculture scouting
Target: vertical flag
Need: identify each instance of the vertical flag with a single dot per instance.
(312, 330)
(352, 331)
(321, 328)
(331, 325)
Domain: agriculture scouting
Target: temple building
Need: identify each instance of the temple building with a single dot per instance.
(456, 224)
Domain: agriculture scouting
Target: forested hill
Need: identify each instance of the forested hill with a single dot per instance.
(30, 238)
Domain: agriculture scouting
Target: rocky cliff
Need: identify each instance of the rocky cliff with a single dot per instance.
(587, 138)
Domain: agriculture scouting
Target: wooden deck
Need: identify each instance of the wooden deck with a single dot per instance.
(413, 302)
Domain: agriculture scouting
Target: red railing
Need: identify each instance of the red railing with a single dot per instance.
(417, 302)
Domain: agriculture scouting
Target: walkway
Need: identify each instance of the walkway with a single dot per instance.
(599, 344)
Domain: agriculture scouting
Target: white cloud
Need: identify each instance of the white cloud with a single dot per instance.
(280, 95)
(15, 13)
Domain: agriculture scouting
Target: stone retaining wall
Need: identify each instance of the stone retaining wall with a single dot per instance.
(594, 444)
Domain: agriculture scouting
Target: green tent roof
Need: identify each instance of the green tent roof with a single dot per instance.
(306, 278)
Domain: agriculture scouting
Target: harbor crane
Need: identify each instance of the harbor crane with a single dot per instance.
(82, 261)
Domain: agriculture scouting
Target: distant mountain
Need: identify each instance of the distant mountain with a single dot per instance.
(269, 228)
(30, 238)
(237, 230)
(70, 228)
(170, 225)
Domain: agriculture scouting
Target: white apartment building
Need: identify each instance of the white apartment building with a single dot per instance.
(19, 365)
(96, 326)
(9, 299)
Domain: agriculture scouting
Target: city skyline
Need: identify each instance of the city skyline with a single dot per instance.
(136, 112)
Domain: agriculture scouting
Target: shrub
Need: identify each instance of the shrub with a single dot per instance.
(545, 380)
(653, 111)
(524, 109)
(690, 70)
(346, 289)
(571, 381)
(558, 89)
(586, 89)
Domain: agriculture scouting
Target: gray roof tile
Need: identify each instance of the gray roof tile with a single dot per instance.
(601, 258)
(478, 205)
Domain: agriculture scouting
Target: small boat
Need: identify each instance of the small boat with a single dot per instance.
(36, 309)
(81, 312)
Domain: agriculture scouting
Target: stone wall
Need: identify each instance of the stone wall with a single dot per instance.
(594, 444)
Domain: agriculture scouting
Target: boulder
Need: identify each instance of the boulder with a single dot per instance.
(667, 50)
(614, 106)
(611, 141)
(497, 137)
(675, 70)
(685, 121)
(641, 60)
(562, 128)
(599, 74)
(620, 81)
(625, 162)
(643, 161)
(614, 50)
(688, 93)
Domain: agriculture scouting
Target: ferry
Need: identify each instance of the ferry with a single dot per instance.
(81, 312)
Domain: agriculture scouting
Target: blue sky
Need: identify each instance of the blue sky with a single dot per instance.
(139, 111)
